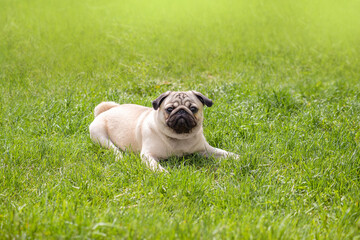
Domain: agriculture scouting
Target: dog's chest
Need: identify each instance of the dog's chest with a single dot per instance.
(180, 147)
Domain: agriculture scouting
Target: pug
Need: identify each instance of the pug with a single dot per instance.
(173, 127)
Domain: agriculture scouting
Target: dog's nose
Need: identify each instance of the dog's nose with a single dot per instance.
(181, 111)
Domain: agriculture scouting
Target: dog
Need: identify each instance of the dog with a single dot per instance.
(173, 127)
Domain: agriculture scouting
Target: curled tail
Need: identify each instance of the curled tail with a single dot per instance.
(104, 106)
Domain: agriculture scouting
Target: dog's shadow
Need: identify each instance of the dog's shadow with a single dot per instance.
(191, 161)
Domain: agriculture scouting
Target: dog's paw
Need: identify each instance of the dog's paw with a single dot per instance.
(234, 155)
(161, 169)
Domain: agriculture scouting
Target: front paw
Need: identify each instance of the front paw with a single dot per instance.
(153, 164)
(158, 168)
(234, 155)
(161, 169)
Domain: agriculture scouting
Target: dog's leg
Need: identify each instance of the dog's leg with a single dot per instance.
(152, 163)
(110, 145)
(107, 143)
(99, 135)
(217, 153)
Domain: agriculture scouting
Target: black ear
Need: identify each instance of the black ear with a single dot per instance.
(157, 102)
(206, 101)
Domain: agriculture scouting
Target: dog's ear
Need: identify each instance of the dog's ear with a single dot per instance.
(206, 101)
(157, 102)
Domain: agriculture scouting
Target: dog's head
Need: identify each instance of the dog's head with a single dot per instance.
(182, 112)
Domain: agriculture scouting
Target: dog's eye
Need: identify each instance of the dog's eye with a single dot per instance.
(193, 109)
(169, 109)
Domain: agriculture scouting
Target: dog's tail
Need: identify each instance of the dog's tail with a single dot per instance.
(104, 106)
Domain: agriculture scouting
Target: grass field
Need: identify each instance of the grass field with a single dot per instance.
(285, 80)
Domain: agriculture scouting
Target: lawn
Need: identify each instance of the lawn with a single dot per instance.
(285, 80)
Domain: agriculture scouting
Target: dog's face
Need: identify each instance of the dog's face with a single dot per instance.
(182, 112)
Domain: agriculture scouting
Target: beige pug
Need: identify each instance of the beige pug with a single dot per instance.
(173, 127)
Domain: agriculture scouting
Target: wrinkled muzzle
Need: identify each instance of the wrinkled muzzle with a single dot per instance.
(181, 121)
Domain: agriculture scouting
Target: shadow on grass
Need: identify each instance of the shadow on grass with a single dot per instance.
(191, 161)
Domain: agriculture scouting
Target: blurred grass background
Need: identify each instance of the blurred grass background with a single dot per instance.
(178, 39)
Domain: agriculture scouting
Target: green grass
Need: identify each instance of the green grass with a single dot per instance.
(285, 80)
